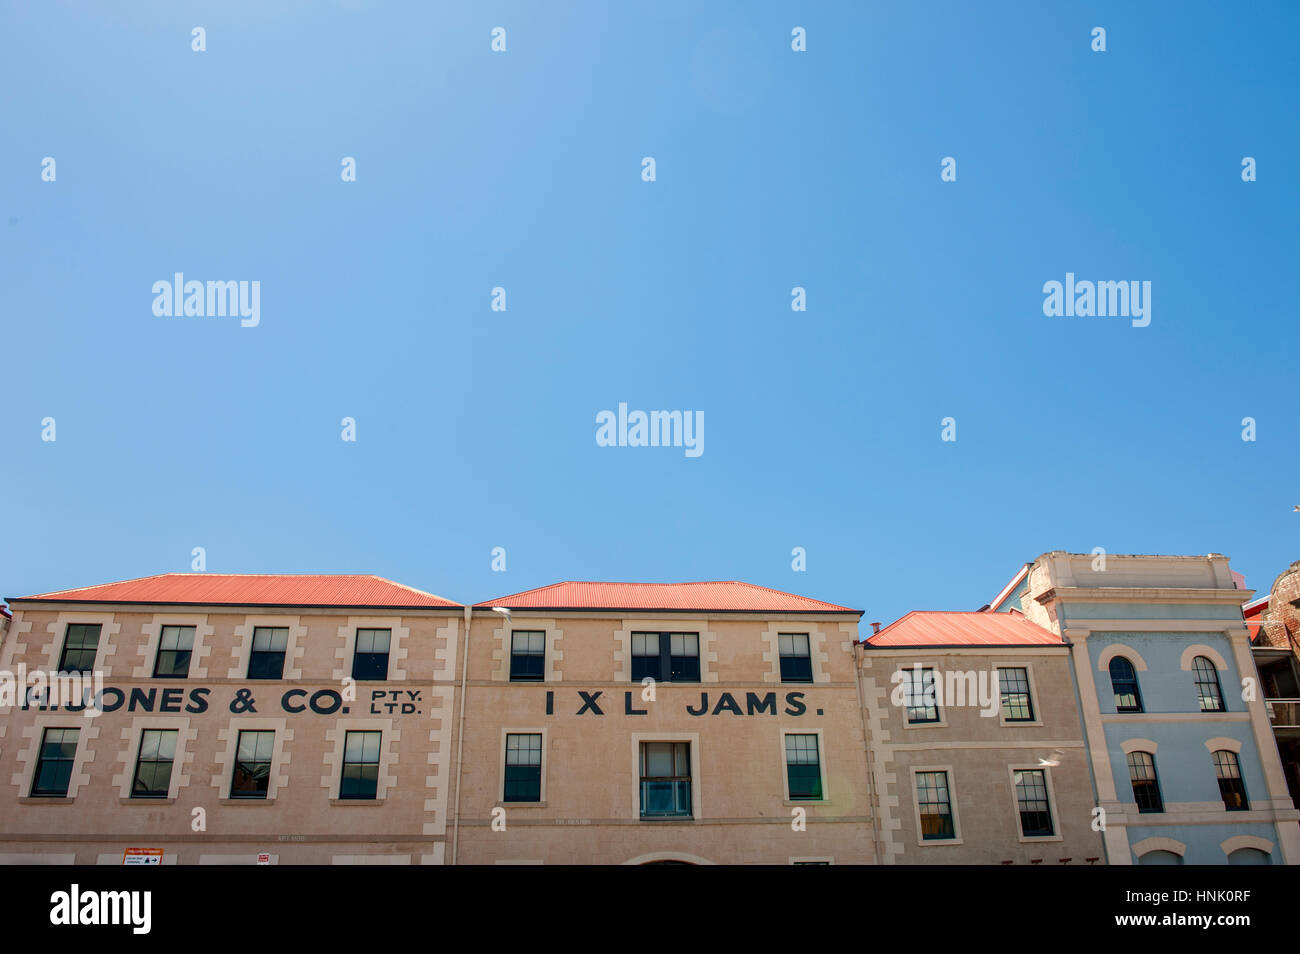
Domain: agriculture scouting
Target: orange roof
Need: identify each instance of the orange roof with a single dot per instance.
(937, 628)
(723, 597)
(249, 589)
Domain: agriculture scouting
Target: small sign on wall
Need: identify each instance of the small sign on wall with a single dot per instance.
(264, 858)
(142, 856)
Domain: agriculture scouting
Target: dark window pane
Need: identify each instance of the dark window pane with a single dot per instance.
(54, 763)
(1207, 685)
(1017, 705)
(1124, 684)
(80, 644)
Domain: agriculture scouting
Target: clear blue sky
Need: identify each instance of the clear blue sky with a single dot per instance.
(476, 428)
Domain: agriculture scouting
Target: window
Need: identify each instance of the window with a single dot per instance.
(796, 661)
(1146, 787)
(1124, 683)
(153, 767)
(665, 780)
(527, 656)
(1031, 799)
(935, 806)
(523, 768)
(919, 695)
(267, 659)
(360, 764)
(1017, 705)
(174, 650)
(370, 661)
(1228, 768)
(80, 644)
(252, 764)
(1207, 685)
(803, 767)
(666, 657)
(54, 762)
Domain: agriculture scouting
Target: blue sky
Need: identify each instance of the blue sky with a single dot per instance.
(522, 169)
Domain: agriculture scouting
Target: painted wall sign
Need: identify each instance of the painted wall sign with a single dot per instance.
(196, 700)
(593, 702)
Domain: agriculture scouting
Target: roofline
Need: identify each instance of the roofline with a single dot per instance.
(664, 609)
(1006, 590)
(904, 647)
(404, 606)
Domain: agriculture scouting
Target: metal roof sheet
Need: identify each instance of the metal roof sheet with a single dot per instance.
(940, 628)
(249, 589)
(721, 596)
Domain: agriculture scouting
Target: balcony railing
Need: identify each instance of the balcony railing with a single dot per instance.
(666, 799)
(1283, 713)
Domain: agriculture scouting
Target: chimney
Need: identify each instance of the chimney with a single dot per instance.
(875, 628)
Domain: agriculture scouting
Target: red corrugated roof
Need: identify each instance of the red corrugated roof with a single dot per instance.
(249, 589)
(937, 628)
(729, 596)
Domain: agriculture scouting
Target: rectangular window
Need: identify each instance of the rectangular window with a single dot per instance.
(1146, 785)
(666, 657)
(527, 656)
(80, 644)
(665, 780)
(935, 805)
(1031, 798)
(919, 696)
(252, 764)
(1017, 706)
(54, 763)
(174, 650)
(803, 767)
(1232, 789)
(523, 768)
(267, 659)
(153, 767)
(360, 765)
(370, 661)
(796, 661)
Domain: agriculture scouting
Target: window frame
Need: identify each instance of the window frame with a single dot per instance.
(1049, 796)
(140, 760)
(950, 784)
(1239, 778)
(1137, 706)
(344, 764)
(265, 794)
(908, 673)
(817, 737)
(357, 653)
(254, 653)
(1030, 694)
(504, 794)
(691, 761)
(806, 658)
(1159, 802)
(1201, 683)
(174, 653)
(529, 654)
(94, 654)
(664, 657)
(41, 761)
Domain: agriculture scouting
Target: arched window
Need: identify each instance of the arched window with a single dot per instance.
(1231, 787)
(1207, 685)
(1124, 682)
(1160, 858)
(1146, 787)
